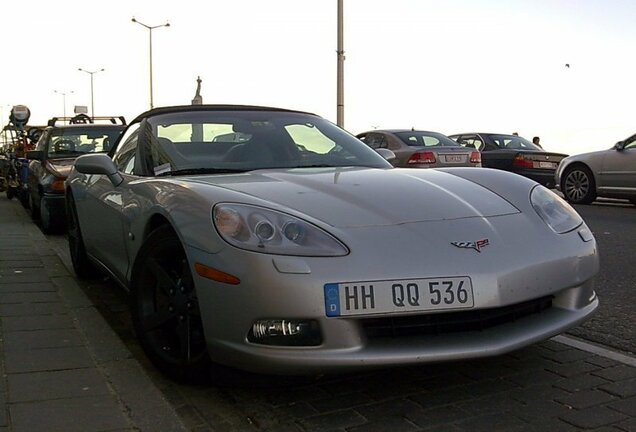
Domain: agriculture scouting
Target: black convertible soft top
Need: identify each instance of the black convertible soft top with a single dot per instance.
(186, 108)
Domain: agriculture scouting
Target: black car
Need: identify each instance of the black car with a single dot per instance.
(53, 157)
(513, 153)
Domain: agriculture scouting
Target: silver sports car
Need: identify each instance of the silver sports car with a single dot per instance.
(607, 173)
(273, 241)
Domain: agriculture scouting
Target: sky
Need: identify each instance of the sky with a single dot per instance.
(449, 66)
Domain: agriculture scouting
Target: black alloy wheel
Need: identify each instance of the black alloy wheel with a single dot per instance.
(83, 267)
(578, 185)
(165, 308)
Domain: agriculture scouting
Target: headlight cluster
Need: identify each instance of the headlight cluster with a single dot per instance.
(268, 231)
(558, 214)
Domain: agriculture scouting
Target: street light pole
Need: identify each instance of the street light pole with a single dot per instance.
(150, 29)
(340, 69)
(63, 101)
(92, 99)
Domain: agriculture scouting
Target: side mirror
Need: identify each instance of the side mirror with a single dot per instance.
(35, 155)
(99, 164)
(386, 154)
(619, 145)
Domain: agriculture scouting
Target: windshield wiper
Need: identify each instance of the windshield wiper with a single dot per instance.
(192, 171)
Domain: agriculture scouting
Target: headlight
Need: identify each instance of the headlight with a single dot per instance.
(558, 214)
(268, 231)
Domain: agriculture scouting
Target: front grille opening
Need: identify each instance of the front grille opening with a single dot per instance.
(452, 322)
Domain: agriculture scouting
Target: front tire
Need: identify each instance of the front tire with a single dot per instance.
(165, 310)
(84, 268)
(578, 185)
(46, 220)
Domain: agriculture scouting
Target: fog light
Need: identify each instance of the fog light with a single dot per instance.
(285, 332)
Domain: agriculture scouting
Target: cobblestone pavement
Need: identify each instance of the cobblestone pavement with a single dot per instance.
(550, 386)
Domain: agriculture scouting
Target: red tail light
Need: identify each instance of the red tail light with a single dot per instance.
(475, 157)
(521, 162)
(425, 157)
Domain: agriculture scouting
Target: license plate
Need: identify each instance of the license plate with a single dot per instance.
(547, 165)
(454, 158)
(398, 296)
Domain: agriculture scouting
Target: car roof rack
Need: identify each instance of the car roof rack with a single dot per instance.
(84, 119)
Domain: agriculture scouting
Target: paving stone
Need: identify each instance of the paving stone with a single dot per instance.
(570, 356)
(48, 359)
(340, 402)
(384, 425)
(334, 420)
(623, 389)
(98, 413)
(625, 406)
(544, 409)
(391, 408)
(436, 416)
(581, 382)
(617, 373)
(24, 264)
(297, 410)
(553, 345)
(499, 402)
(594, 417)
(29, 297)
(568, 370)
(442, 397)
(38, 322)
(31, 309)
(627, 425)
(56, 385)
(491, 423)
(601, 361)
(535, 378)
(586, 398)
(24, 278)
(35, 339)
(26, 287)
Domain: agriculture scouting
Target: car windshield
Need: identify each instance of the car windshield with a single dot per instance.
(426, 139)
(75, 141)
(514, 142)
(230, 141)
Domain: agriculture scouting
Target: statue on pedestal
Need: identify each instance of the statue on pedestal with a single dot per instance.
(198, 100)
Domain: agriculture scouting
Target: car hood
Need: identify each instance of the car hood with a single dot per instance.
(355, 197)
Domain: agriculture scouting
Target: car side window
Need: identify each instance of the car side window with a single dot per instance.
(375, 141)
(124, 157)
(471, 141)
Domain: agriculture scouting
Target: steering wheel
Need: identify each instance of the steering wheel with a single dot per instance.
(64, 144)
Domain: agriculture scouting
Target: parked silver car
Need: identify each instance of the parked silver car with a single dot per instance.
(421, 149)
(297, 249)
(607, 173)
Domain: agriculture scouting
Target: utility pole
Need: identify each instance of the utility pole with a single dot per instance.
(340, 77)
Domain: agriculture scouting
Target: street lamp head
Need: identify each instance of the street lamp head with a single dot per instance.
(133, 19)
(167, 25)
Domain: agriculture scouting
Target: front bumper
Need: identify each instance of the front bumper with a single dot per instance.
(276, 287)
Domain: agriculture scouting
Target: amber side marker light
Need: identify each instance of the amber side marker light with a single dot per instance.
(216, 275)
